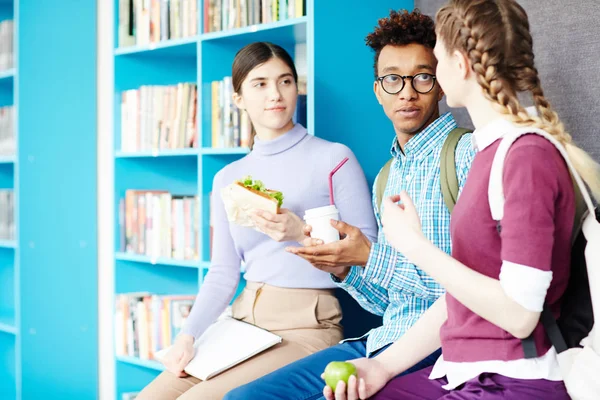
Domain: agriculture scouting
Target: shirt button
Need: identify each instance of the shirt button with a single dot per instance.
(375, 280)
(407, 177)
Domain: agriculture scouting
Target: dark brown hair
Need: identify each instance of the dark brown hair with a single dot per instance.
(250, 57)
(495, 36)
(399, 29)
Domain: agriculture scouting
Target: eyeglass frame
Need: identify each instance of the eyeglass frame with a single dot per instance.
(412, 82)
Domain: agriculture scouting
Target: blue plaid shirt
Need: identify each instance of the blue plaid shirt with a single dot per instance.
(389, 285)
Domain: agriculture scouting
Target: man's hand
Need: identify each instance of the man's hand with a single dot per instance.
(337, 257)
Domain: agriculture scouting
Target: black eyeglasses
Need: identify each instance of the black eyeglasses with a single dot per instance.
(393, 84)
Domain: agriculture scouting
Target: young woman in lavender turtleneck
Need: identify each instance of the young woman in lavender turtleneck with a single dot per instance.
(284, 293)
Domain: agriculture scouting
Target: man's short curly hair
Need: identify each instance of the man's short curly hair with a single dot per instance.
(401, 28)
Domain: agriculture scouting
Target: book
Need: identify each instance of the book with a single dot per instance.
(225, 344)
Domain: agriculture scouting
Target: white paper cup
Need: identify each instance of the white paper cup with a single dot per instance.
(319, 219)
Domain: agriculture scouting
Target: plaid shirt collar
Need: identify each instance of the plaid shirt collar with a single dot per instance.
(425, 141)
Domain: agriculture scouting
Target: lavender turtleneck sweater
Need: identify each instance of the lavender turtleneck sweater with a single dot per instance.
(298, 164)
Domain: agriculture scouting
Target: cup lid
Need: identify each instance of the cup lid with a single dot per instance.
(320, 211)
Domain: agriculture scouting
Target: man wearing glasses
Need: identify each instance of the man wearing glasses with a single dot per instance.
(377, 276)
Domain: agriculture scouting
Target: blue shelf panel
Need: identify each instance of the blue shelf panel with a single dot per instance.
(121, 256)
(138, 274)
(7, 324)
(287, 31)
(225, 151)
(7, 291)
(7, 83)
(7, 159)
(8, 369)
(178, 175)
(150, 364)
(179, 48)
(66, 237)
(7, 176)
(133, 375)
(158, 153)
(8, 244)
(7, 74)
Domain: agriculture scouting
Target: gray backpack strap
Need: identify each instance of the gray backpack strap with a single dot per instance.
(448, 174)
(382, 179)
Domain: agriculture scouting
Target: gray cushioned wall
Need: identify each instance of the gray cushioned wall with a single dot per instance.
(566, 36)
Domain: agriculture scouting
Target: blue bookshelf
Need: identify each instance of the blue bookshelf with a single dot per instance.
(55, 177)
(7, 325)
(185, 47)
(158, 153)
(7, 75)
(288, 31)
(8, 244)
(135, 361)
(333, 33)
(10, 375)
(7, 160)
(208, 151)
(121, 256)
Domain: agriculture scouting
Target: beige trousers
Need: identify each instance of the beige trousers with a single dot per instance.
(308, 320)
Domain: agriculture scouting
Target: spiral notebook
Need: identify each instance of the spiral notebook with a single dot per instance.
(225, 344)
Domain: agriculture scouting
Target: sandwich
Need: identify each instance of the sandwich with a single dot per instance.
(268, 200)
(248, 194)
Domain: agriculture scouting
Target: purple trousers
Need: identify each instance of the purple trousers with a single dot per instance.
(418, 386)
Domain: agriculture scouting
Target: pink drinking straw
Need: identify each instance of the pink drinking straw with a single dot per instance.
(331, 179)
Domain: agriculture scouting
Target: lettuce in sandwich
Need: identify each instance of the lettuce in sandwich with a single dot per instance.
(259, 186)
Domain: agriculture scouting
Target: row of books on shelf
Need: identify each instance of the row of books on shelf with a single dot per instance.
(6, 45)
(146, 323)
(157, 117)
(7, 131)
(230, 126)
(7, 215)
(222, 15)
(142, 22)
(159, 224)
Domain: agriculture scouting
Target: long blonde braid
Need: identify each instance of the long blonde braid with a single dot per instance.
(495, 36)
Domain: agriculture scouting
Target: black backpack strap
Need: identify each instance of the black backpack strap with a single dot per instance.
(553, 332)
(548, 321)
(581, 211)
(529, 349)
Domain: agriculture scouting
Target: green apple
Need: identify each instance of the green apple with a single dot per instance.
(338, 371)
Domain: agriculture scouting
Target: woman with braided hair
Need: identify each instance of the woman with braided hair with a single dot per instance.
(498, 277)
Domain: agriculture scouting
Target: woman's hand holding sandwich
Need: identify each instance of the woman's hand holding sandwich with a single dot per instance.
(283, 227)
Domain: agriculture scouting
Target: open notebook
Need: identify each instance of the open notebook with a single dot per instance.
(225, 344)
